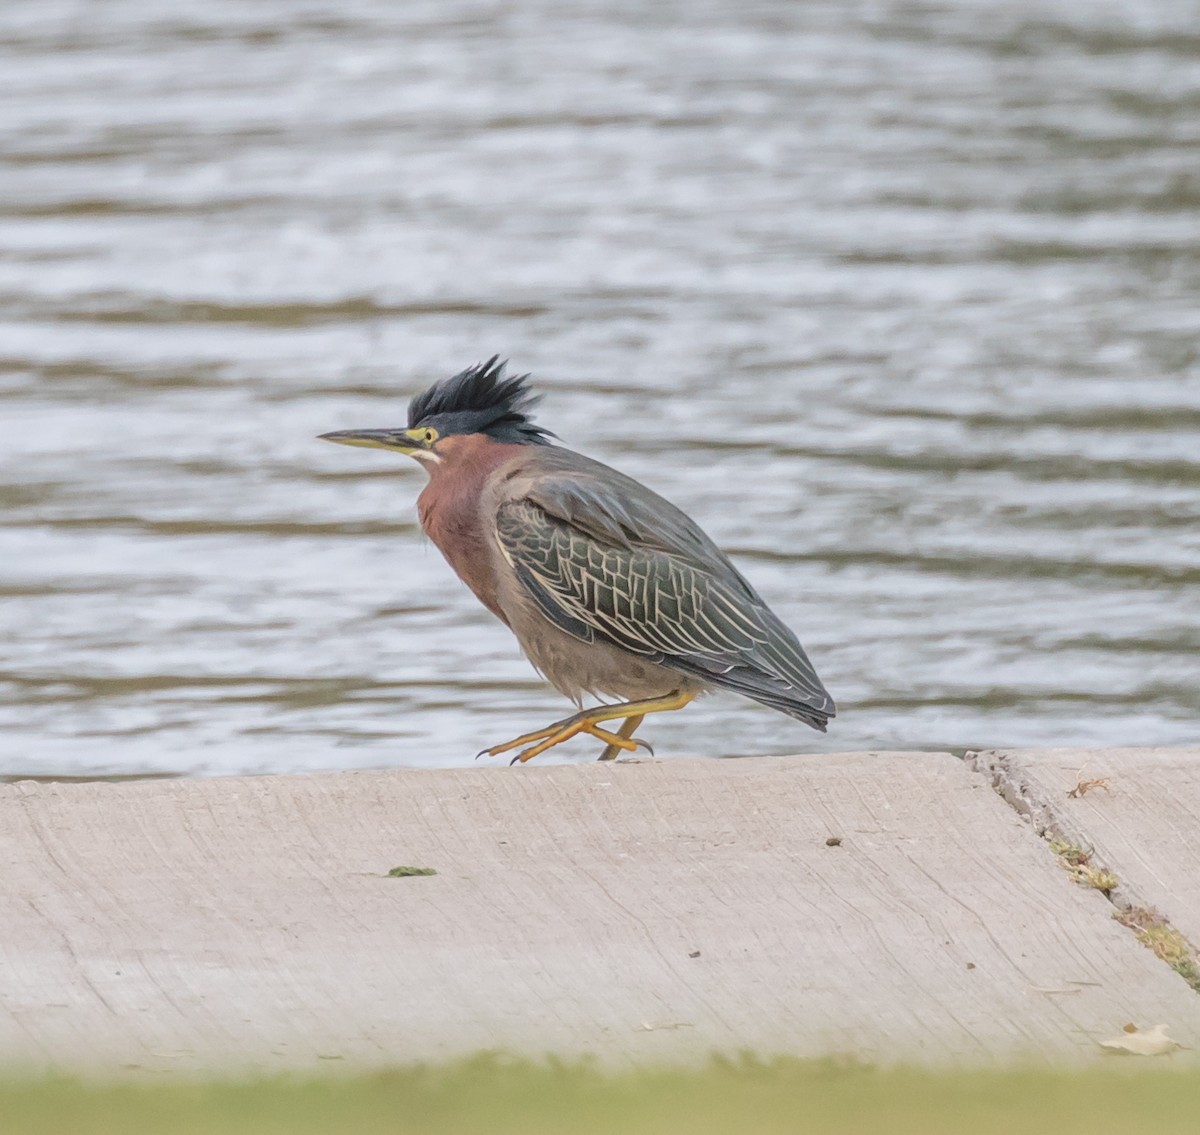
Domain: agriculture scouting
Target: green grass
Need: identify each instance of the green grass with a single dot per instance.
(492, 1097)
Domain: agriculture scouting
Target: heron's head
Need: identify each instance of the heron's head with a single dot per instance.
(478, 400)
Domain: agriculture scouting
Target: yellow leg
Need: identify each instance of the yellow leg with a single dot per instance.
(626, 731)
(587, 721)
(581, 722)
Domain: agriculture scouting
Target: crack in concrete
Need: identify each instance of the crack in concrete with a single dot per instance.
(1131, 910)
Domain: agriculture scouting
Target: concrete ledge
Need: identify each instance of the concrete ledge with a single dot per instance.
(634, 911)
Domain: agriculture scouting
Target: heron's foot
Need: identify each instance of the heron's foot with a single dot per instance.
(612, 752)
(527, 738)
(611, 740)
(588, 721)
(627, 729)
(540, 740)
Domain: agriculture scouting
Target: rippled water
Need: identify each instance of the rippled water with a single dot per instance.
(901, 301)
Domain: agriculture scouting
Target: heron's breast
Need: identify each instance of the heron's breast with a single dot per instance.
(452, 521)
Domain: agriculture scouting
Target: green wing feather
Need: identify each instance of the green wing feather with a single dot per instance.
(605, 558)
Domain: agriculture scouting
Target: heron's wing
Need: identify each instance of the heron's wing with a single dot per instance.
(597, 568)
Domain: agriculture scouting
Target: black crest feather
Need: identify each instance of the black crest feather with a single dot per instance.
(481, 399)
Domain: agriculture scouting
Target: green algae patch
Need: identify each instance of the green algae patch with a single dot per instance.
(1078, 862)
(408, 872)
(492, 1096)
(1157, 934)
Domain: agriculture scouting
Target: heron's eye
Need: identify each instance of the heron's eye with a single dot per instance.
(430, 436)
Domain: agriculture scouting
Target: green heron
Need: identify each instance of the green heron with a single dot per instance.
(609, 588)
